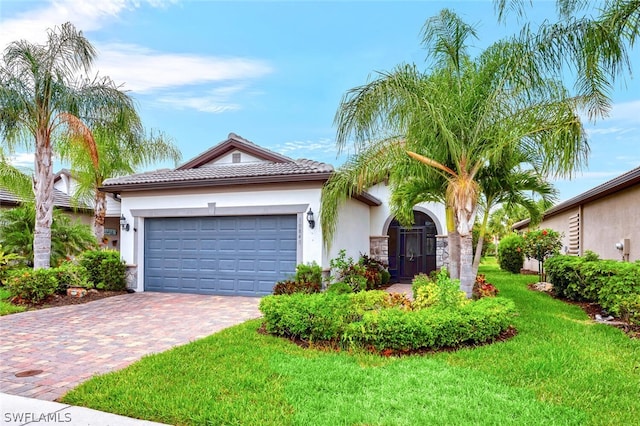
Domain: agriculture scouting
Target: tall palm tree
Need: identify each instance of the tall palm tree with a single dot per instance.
(42, 88)
(590, 38)
(466, 113)
(112, 150)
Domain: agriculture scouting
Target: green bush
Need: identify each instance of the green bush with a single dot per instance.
(511, 254)
(308, 279)
(70, 274)
(8, 261)
(339, 288)
(474, 323)
(613, 284)
(32, 286)
(378, 319)
(442, 293)
(106, 270)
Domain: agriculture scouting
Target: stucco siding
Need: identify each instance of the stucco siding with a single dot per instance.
(352, 231)
(610, 220)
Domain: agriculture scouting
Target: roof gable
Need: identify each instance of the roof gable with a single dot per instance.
(234, 143)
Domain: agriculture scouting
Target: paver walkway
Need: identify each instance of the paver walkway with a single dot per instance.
(70, 344)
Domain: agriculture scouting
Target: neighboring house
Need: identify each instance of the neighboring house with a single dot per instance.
(238, 218)
(64, 182)
(604, 220)
(61, 201)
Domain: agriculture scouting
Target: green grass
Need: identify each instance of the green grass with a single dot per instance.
(559, 369)
(7, 307)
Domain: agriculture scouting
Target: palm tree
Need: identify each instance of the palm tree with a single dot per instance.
(112, 150)
(596, 48)
(41, 91)
(466, 113)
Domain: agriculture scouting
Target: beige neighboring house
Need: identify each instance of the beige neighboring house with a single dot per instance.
(605, 220)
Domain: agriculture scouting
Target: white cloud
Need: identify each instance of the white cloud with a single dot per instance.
(22, 160)
(91, 15)
(214, 101)
(143, 70)
(323, 145)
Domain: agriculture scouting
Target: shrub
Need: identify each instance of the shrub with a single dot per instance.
(482, 288)
(374, 271)
(614, 285)
(419, 281)
(106, 270)
(8, 261)
(441, 293)
(510, 253)
(540, 244)
(32, 286)
(349, 272)
(308, 279)
(393, 328)
(340, 288)
(378, 319)
(71, 275)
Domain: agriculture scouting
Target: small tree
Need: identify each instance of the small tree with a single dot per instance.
(541, 244)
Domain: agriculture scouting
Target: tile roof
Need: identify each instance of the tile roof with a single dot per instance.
(60, 199)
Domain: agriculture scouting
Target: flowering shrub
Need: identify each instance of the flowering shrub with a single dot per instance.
(541, 243)
(32, 286)
(482, 288)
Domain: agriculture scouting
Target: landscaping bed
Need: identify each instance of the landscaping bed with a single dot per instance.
(57, 300)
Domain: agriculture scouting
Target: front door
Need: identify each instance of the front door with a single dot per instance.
(412, 250)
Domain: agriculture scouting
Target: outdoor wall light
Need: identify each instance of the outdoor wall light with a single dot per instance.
(123, 223)
(312, 222)
(620, 245)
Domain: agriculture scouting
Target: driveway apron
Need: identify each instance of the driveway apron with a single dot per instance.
(56, 349)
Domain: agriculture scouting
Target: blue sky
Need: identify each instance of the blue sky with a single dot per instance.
(274, 72)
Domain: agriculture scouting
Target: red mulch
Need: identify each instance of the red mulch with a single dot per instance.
(64, 300)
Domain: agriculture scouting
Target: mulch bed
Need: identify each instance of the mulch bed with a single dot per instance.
(593, 309)
(65, 300)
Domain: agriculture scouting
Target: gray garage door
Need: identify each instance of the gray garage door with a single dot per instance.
(242, 256)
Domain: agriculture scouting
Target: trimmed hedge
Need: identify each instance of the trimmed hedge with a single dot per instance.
(32, 286)
(613, 284)
(380, 320)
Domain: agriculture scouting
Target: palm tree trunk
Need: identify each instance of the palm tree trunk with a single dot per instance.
(467, 274)
(481, 234)
(43, 186)
(453, 238)
(99, 213)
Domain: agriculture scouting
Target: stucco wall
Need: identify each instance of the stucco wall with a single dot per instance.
(352, 231)
(611, 219)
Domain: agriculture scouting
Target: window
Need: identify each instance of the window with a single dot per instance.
(235, 157)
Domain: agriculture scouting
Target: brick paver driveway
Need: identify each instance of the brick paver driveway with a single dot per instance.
(72, 343)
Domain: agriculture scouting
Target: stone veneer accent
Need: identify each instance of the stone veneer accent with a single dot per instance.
(131, 276)
(442, 251)
(379, 248)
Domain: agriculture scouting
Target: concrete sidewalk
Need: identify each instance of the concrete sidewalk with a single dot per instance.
(19, 410)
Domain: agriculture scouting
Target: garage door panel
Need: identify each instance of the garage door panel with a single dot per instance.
(219, 255)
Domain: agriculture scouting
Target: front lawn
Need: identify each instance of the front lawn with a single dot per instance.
(560, 369)
(6, 307)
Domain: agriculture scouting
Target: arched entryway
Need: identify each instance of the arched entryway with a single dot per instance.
(412, 250)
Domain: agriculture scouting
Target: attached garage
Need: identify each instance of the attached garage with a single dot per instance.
(239, 256)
